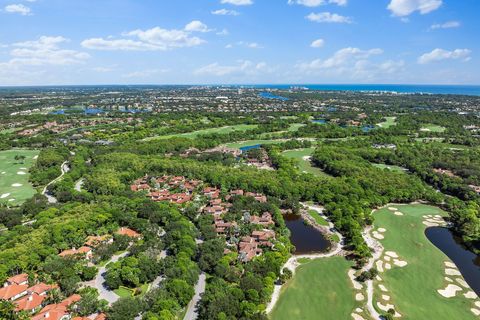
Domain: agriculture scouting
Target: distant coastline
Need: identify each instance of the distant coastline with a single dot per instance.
(470, 90)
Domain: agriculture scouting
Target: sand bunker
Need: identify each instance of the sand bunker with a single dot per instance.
(452, 272)
(382, 230)
(356, 284)
(388, 266)
(359, 297)
(11, 200)
(477, 303)
(359, 310)
(400, 263)
(398, 213)
(35, 158)
(21, 173)
(377, 235)
(470, 295)
(392, 254)
(16, 185)
(385, 297)
(3, 172)
(379, 265)
(387, 258)
(462, 282)
(388, 307)
(3, 196)
(448, 279)
(475, 311)
(392, 209)
(378, 278)
(450, 291)
(357, 317)
(450, 264)
(382, 287)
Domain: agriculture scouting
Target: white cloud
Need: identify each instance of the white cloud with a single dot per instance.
(225, 12)
(18, 8)
(144, 73)
(441, 54)
(317, 43)
(224, 32)
(446, 25)
(341, 58)
(317, 3)
(328, 17)
(251, 45)
(238, 2)
(241, 68)
(196, 26)
(155, 39)
(403, 8)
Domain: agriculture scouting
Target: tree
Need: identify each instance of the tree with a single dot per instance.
(125, 309)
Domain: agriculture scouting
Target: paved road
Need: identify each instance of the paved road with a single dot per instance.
(51, 199)
(99, 280)
(191, 313)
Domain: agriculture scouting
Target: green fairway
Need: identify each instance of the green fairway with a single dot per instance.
(389, 121)
(295, 126)
(389, 167)
(412, 289)
(247, 143)
(432, 128)
(320, 289)
(194, 134)
(14, 185)
(304, 164)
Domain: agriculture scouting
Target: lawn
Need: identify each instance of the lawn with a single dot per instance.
(303, 164)
(124, 292)
(320, 289)
(413, 288)
(194, 134)
(389, 121)
(14, 185)
(247, 143)
(389, 167)
(319, 219)
(432, 128)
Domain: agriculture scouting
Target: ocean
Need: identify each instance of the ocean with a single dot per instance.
(472, 90)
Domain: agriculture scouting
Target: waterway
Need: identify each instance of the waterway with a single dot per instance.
(467, 262)
(305, 238)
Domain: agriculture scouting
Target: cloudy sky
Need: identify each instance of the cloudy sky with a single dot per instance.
(45, 42)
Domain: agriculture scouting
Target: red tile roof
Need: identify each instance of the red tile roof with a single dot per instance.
(30, 302)
(128, 232)
(8, 292)
(18, 279)
(41, 288)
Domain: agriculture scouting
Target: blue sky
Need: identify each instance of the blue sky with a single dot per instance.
(50, 42)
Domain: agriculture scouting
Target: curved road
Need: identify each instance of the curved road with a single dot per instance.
(191, 313)
(51, 199)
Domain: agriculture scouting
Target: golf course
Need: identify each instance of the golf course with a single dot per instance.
(194, 134)
(303, 161)
(14, 185)
(416, 279)
(389, 121)
(320, 289)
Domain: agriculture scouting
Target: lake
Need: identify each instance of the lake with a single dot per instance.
(305, 238)
(268, 95)
(467, 262)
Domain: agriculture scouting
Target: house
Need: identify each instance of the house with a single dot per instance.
(85, 251)
(128, 232)
(95, 241)
(211, 193)
(17, 279)
(263, 236)
(221, 226)
(13, 292)
(248, 249)
(41, 288)
(264, 220)
(258, 196)
(57, 311)
(30, 303)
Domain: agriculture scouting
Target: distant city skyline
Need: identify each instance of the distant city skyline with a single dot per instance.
(54, 42)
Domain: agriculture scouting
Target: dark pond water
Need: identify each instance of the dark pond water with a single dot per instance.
(247, 148)
(467, 262)
(305, 238)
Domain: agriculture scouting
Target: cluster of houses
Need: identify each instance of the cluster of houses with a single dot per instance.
(32, 299)
(250, 246)
(451, 174)
(258, 159)
(92, 242)
(174, 189)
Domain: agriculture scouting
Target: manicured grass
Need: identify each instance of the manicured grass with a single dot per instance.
(9, 169)
(320, 289)
(319, 219)
(389, 167)
(305, 165)
(295, 126)
(247, 143)
(123, 292)
(413, 288)
(432, 128)
(194, 134)
(389, 121)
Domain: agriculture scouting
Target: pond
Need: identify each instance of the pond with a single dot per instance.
(320, 121)
(248, 148)
(305, 238)
(467, 262)
(268, 95)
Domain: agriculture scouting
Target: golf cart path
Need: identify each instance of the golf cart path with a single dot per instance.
(64, 169)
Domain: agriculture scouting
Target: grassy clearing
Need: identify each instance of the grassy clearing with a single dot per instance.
(14, 187)
(304, 164)
(432, 128)
(194, 134)
(389, 167)
(389, 122)
(247, 143)
(413, 288)
(320, 289)
(319, 219)
(123, 292)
